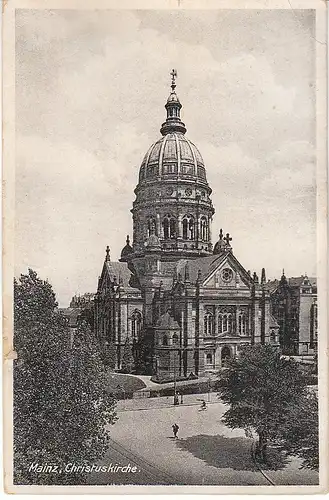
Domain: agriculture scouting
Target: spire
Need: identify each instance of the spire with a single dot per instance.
(283, 280)
(263, 277)
(107, 257)
(173, 122)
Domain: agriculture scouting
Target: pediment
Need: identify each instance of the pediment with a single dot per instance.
(228, 274)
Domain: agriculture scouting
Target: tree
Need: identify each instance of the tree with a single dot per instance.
(127, 358)
(299, 433)
(260, 386)
(109, 354)
(89, 407)
(50, 394)
(40, 337)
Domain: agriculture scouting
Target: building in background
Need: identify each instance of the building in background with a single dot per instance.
(294, 305)
(182, 305)
(81, 308)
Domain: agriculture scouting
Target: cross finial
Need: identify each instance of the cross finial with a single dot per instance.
(228, 238)
(128, 240)
(107, 258)
(173, 79)
(221, 234)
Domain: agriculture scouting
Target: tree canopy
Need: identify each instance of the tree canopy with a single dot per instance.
(261, 388)
(299, 433)
(60, 406)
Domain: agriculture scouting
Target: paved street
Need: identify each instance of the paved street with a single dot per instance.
(206, 452)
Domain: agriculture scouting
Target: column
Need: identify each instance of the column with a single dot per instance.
(198, 235)
(218, 363)
(216, 320)
(237, 312)
(158, 225)
(179, 228)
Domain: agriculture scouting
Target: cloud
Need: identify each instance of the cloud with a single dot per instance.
(90, 91)
(70, 204)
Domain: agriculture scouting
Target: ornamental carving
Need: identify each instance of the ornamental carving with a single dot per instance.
(227, 275)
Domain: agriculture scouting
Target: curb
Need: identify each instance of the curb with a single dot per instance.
(272, 483)
(166, 406)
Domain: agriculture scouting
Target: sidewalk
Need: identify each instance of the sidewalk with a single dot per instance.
(165, 402)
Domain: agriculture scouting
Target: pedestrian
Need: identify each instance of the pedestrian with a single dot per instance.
(175, 428)
(181, 398)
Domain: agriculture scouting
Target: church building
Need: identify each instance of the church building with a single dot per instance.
(182, 305)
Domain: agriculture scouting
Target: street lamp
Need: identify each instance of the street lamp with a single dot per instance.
(175, 395)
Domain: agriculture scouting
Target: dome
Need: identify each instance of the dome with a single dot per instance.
(127, 250)
(173, 154)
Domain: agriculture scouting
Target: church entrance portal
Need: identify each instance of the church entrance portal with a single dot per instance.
(225, 353)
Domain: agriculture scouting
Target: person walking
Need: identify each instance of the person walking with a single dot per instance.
(175, 428)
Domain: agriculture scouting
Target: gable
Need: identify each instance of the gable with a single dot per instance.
(229, 273)
(118, 271)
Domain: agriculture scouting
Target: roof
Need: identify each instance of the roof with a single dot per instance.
(173, 154)
(120, 271)
(294, 282)
(204, 264)
(298, 281)
(127, 250)
(166, 321)
(271, 286)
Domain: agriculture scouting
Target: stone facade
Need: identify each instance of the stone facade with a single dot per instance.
(294, 305)
(195, 303)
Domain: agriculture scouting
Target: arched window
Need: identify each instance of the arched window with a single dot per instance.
(208, 324)
(169, 227)
(172, 227)
(242, 324)
(191, 226)
(165, 228)
(175, 339)
(185, 225)
(136, 323)
(224, 323)
(220, 323)
(229, 323)
(165, 340)
(188, 227)
(209, 358)
(204, 229)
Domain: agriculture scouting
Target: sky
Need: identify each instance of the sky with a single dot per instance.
(90, 93)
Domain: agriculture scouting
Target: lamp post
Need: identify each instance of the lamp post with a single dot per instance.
(175, 395)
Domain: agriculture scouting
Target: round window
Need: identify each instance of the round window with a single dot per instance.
(227, 275)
